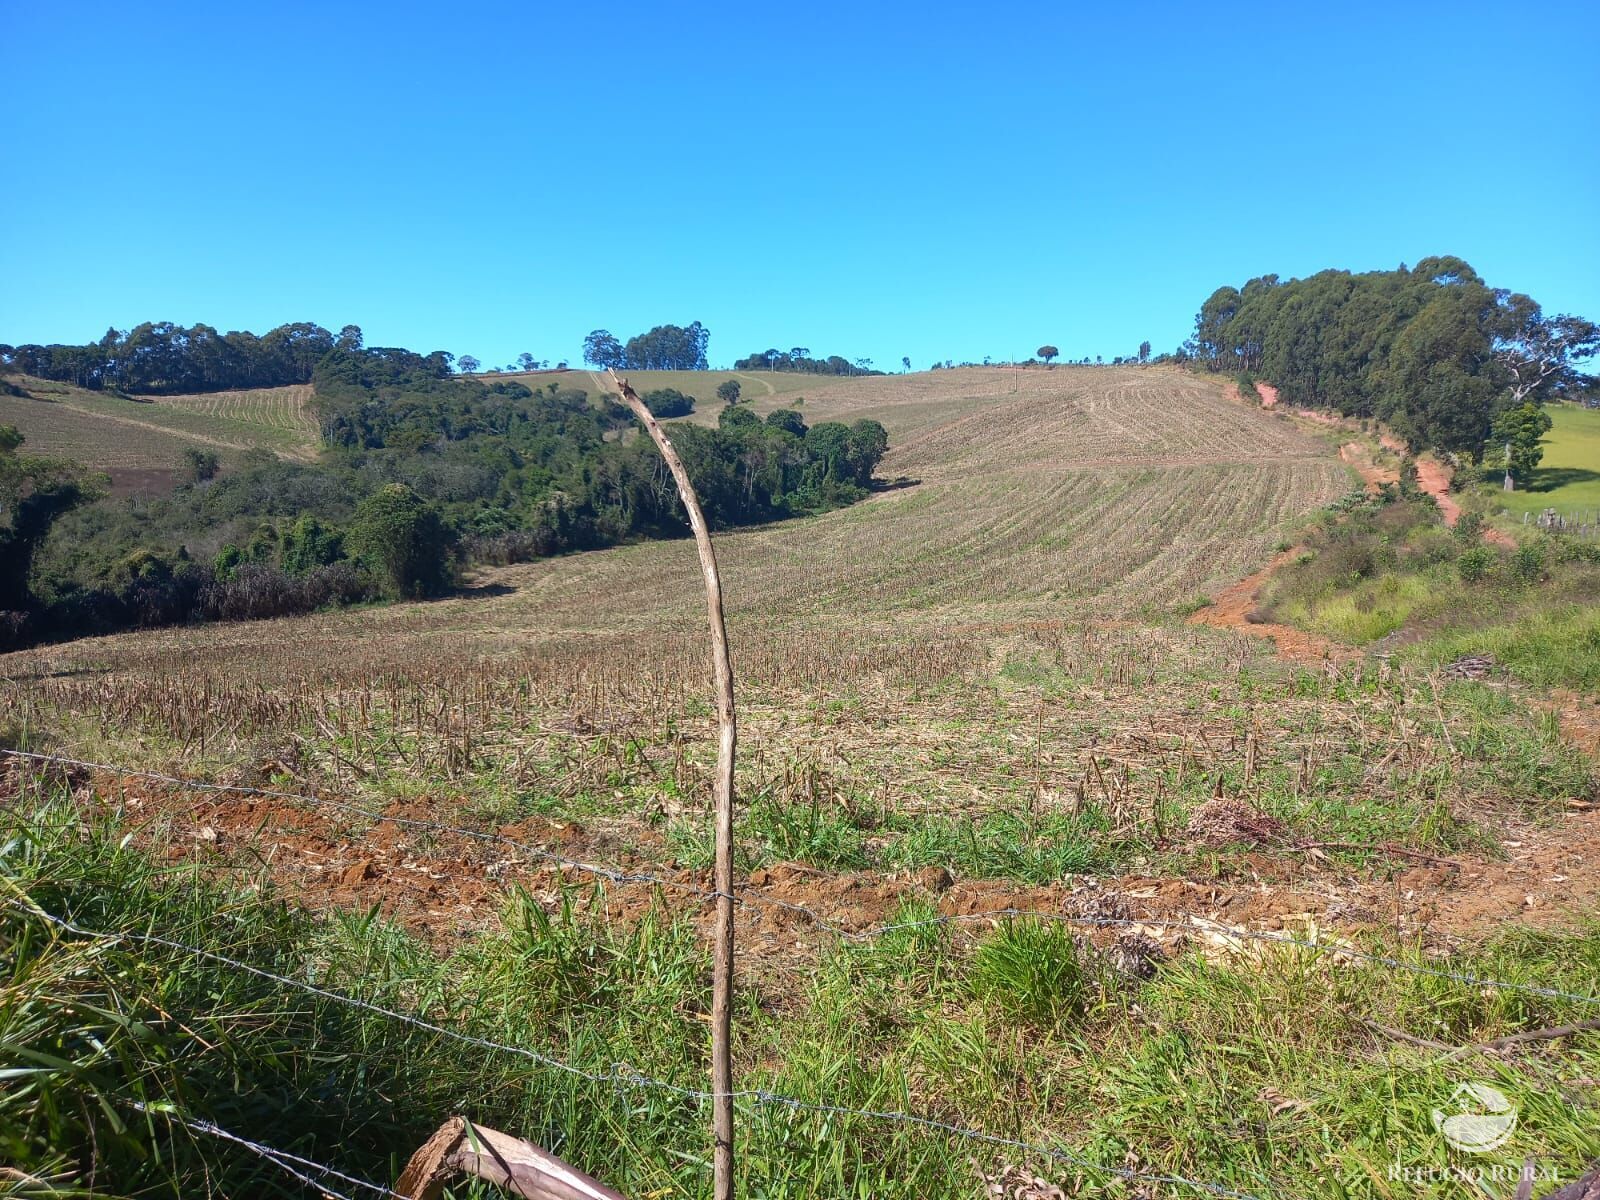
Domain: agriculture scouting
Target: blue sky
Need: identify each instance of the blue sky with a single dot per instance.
(937, 181)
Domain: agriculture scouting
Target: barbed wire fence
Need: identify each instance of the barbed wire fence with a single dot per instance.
(624, 1076)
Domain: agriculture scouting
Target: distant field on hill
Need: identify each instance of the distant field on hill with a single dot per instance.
(1568, 478)
(110, 433)
(777, 388)
(261, 411)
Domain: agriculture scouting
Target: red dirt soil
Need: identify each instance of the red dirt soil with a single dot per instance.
(1235, 608)
(1433, 477)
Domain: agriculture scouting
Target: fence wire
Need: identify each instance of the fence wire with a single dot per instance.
(624, 1075)
(619, 1075)
(282, 1159)
(1191, 923)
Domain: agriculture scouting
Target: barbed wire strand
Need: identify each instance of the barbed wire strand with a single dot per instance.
(1191, 924)
(622, 1074)
(281, 1159)
(1198, 924)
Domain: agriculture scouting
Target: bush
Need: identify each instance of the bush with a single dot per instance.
(254, 592)
(400, 538)
(668, 402)
(1475, 564)
(1528, 562)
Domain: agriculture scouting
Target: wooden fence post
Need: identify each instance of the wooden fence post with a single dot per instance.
(727, 739)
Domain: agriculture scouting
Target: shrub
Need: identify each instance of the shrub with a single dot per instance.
(1527, 563)
(254, 592)
(668, 402)
(1475, 564)
(1469, 526)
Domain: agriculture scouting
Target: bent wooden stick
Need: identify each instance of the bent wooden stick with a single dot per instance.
(727, 727)
(518, 1166)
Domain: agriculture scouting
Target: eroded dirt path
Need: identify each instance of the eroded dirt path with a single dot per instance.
(1433, 477)
(1235, 608)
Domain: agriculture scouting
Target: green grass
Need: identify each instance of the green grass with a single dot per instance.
(1555, 647)
(1248, 1071)
(1568, 478)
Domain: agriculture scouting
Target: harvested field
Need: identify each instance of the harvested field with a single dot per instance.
(107, 432)
(284, 415)
(990, 643)
(978, 743)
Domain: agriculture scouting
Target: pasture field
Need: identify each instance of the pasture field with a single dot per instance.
(1568, 477)
(1015, 841)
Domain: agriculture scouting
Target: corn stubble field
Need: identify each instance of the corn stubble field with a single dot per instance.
(971, 694)
(150, 433)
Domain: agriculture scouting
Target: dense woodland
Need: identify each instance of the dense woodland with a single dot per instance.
(1433, 351)
(422, 470)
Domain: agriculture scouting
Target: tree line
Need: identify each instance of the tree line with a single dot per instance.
(1431, 350)
(664, 348)
(160, 357)
(799, 358)
(422, 471)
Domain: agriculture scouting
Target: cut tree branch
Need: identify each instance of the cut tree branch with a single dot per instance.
(727, 740)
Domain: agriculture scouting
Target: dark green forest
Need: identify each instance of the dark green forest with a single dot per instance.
(161, 358)
(1432, 350)
(423, 471)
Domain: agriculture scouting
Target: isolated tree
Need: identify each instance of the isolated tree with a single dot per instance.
(601, 349)
(467, 365)
(1047, 353)
(1144, 352)
(863, 365)
(526, 361)
(1518, 432)
(728, 391)
(1540, 355)
(400, 537)
(906, 362)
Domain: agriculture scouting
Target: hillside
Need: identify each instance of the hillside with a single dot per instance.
(1004, 823)
(1083, 491)
(144, 437)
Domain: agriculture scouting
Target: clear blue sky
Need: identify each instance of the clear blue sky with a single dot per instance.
(874, 180)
